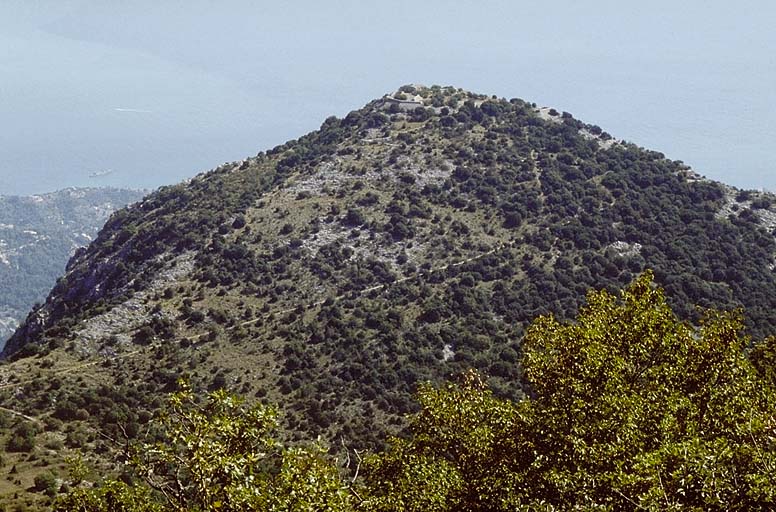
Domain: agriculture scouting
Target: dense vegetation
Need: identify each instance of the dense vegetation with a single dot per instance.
(630, 409)
(38, 234)
(335, 273)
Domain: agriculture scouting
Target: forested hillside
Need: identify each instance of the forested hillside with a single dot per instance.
(38, 234)
(630, 409)
(411, 241)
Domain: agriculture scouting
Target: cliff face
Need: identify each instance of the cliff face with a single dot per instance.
(396, 245)
(38, 234)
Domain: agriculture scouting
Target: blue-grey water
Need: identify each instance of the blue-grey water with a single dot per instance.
(150, 93)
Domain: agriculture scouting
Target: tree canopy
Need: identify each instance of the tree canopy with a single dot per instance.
(218, 455)
(628, 408)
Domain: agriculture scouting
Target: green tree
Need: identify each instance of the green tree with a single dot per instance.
(22, 438)
(47, 484)
(629, 409)
(633, 408)
(763, 357)
(461, 445)
(219, 455)
(113, 496)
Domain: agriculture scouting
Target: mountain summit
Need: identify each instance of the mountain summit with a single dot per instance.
(409, 241)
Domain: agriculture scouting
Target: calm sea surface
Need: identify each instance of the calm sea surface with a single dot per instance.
(146, 95)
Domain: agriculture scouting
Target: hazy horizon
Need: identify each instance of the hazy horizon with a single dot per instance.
(157, 93)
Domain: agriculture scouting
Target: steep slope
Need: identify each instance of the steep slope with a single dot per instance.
(38, 234)
(409, 241)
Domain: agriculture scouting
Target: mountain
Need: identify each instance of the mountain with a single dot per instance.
(412, 240)
(38, 234)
